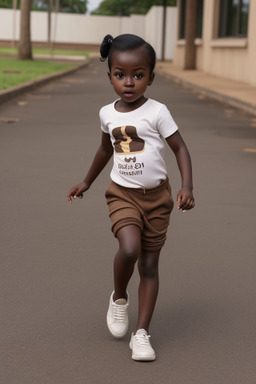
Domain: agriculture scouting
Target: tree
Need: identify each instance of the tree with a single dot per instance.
(73, 6)
(25, 46)
(190, 34)
(65, 6)
(127, 7)
(8, 4)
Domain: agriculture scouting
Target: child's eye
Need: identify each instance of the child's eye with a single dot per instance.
(138, 76)
(119, 75)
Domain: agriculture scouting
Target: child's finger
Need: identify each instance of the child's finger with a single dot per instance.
(183, 203)
(179, 201)
(188, 204)
(78, 194)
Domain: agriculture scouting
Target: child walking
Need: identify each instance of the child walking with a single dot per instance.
(139, 196)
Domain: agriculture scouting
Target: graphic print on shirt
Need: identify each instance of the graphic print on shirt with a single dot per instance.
(127, 141)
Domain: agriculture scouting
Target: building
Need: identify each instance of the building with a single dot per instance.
(224, 42)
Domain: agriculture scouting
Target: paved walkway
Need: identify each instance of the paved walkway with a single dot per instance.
(56, 258)
(235, 93)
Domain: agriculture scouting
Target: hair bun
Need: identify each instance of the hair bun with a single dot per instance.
(105, 47)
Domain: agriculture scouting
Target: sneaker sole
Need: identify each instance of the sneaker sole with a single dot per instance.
(117, 335)
(139, 358)
(142, 358)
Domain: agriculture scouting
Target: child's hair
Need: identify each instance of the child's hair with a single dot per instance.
(125, 42)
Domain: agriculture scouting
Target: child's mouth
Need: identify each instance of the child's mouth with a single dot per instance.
(128, 94)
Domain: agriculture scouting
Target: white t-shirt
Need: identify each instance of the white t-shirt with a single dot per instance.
(137, 139)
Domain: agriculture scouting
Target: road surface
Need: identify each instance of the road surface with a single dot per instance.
(56, 258)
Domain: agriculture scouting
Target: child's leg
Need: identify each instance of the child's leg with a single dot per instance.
(129, 252)
(148, 288)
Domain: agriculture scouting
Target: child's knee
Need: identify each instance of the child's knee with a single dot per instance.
(130, 254)
(148, 268)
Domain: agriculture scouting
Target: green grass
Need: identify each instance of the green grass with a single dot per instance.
(14, 72)
(61, 52)
(13, 51)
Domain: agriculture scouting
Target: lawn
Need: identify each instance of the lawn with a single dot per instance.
(14, 72)
(13, 51)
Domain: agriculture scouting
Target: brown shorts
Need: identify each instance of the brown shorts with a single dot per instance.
(148, 209)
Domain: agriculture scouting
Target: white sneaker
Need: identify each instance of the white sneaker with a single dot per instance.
(141, 347)
(117, 316)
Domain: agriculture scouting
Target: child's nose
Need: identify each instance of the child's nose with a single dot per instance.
(129, 81)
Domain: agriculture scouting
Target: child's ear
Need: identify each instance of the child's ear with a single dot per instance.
(151, 78)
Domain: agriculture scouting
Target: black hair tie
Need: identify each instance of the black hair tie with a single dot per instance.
(105, 47)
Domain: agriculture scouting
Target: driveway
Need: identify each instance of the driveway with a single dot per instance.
(56, 258)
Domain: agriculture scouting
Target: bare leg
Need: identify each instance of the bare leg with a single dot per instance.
(129, 252)
(148, 288)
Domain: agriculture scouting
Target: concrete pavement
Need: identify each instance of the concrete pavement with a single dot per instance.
(235, 93)
(56, 258)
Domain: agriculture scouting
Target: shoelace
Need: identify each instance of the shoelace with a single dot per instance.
(119, 312)
(142, 339)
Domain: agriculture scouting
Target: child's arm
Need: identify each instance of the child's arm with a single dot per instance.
(102, 157)
(185, 199)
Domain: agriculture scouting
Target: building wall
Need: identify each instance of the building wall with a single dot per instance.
(232, 58)
(90, 29)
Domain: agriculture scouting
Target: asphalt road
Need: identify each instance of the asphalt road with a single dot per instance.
(56, 258)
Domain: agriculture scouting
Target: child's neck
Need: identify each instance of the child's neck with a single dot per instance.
(122, 106)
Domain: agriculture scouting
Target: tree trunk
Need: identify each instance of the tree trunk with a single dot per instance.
(190, 34)
(164, 3)
(56, 10)
(49, 29)
(14, 8)
(24, 46)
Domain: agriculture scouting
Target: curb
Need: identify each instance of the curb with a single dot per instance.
(247, 107)
(12, 92)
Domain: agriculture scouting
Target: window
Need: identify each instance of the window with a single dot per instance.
(199, 27)
(183, 18)
(233, 18)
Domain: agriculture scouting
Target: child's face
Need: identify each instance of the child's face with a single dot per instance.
(130, 76)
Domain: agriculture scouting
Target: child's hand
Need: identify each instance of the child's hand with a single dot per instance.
(185, 199)
(77, 191)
